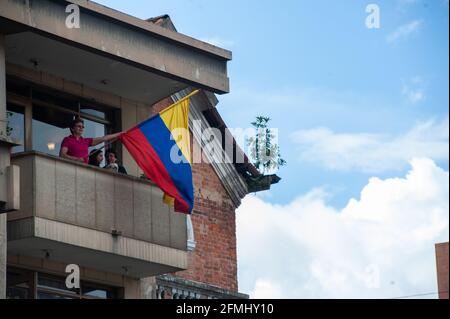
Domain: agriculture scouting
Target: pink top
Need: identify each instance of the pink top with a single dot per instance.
(77, 147)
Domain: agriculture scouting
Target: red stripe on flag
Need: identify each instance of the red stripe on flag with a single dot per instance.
(149, 161)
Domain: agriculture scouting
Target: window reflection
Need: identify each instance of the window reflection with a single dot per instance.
(49, 295)
(96, 113)
(49, 129)
(50, 126)
(96, 292)
(53, 287)
(18, 283)
(55, 283)
(16, 122)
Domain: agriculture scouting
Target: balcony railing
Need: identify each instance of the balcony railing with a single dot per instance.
(82, 212)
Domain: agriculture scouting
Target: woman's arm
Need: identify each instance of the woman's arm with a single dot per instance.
(106, 138)
(63, 154)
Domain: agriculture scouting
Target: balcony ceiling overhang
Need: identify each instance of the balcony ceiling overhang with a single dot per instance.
(37, 52)
(70, 244)
(136, 59)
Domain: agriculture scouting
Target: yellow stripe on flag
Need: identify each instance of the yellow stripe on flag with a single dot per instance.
(176, 118)
(168, 200)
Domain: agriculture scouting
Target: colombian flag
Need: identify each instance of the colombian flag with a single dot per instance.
(161, 147)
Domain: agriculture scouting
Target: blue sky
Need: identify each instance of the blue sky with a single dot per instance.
(350, 103)
(354, 76)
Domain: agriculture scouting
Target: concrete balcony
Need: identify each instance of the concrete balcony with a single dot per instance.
(110, 51)
(75, 213)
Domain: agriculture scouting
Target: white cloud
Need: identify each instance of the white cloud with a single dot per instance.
(413, 90)
(218, 42)
(413, 96)
(266, 289)
(404, 31)
(373, 152)
(378, 246)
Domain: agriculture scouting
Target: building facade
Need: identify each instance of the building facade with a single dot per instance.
(114, 71)
(442, 269)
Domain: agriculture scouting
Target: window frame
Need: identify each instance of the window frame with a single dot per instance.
(112, 120)
(20, 140)
(21, 101)
(34, 287)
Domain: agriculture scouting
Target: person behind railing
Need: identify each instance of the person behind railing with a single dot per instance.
(75, 146)
(112, 164)
(95, 157)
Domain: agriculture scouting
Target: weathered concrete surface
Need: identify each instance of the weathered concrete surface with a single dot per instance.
(148, 288)
(90, 197)
(71, 209)
(71, 244)
(126, 39)
(4, 162)
(3, 256)
(2, 84)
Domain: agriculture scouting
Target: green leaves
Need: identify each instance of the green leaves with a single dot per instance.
(264, 152)
(9, 129)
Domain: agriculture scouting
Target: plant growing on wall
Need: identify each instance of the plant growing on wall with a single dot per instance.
(264, 152)
(9, 129)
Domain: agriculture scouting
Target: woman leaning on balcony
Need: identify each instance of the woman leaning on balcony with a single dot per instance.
(75, 146)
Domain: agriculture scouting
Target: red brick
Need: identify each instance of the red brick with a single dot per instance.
(442, 269)
(214, 259)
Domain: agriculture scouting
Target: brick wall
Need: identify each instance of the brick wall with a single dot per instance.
(442, 269)
(214, 259)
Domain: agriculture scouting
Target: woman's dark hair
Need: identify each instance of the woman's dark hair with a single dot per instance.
(93, 157)
(75, 122)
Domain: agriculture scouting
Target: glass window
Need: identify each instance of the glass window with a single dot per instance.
(15, 126)
(90, 290)
(51, 125)
(49, 129)
(54, 283)
(93, 112)
(18, 283)
(52, 295)
(19, 291)
(52, 113)
(93, 291)
(53, 287)
(93, 129)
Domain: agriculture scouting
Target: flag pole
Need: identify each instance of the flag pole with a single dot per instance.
(181, 100)
(189, 95)
(172, 105)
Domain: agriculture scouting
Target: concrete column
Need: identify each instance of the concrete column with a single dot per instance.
(2, 85)
(3, 240)
(4, 162)
(148, 288)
